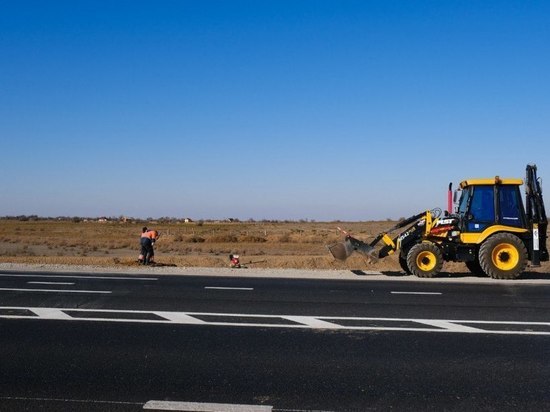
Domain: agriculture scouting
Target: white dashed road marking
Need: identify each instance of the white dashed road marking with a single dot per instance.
(226, 288)
(56, 290)
(416, 293)
(312, 322)
(204, 407)
(53, 282)
(51, 313)
(448, 325)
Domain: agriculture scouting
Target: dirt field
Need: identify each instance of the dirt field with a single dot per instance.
(298, 245)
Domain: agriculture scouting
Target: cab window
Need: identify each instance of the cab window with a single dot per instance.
(482, 208)
(464, 202)
(510, 206)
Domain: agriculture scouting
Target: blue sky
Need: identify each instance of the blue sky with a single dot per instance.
(325, 110)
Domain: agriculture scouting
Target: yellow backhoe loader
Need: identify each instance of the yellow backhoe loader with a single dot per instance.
(489, 229)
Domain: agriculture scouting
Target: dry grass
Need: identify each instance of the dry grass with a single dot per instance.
(300, 245)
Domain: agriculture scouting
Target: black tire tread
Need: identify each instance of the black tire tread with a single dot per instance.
(485, 252)
(413, 253)
(404, 266)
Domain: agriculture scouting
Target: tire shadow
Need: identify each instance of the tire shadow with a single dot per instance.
(457, 275)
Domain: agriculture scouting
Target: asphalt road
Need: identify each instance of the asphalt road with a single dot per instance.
(124, 343)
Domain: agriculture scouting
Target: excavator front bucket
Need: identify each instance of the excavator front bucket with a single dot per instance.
(343, 250)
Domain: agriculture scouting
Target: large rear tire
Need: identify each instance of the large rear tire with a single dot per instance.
(425, 260)
(503, 256)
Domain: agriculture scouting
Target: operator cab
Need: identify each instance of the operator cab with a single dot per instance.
(488, 202)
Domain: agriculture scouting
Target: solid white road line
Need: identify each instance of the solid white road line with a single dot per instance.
(205, 407)
(56, 290)
(30, 275)
(50, 283)
(274, 321)
(416, 293)
(226, 288)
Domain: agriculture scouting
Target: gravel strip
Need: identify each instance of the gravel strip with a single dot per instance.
(362, 275)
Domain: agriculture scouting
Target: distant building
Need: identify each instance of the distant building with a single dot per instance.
(188, 220)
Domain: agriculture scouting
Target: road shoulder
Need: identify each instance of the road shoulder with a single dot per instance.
(357, 275)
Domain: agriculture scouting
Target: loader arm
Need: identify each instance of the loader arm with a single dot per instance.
(391, 245)
(343, 250)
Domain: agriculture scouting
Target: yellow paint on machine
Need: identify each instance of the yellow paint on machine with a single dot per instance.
(477, 238)
(490, 182)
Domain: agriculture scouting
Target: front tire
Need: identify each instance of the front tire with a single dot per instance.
(503, 256)
(425, 260)
(404, 266)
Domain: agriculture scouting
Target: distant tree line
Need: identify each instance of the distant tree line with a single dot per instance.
(160, 220)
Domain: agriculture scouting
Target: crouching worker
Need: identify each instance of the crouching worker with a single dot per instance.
(147, 241)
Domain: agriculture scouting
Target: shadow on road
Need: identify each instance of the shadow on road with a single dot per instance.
(456, 275)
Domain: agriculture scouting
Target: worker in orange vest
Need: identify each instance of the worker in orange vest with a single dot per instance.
(147, 241)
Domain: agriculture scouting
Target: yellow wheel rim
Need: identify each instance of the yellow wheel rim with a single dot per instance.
(426, 261)
(505, 256)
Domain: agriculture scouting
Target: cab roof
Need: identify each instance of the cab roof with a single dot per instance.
(491, 181)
